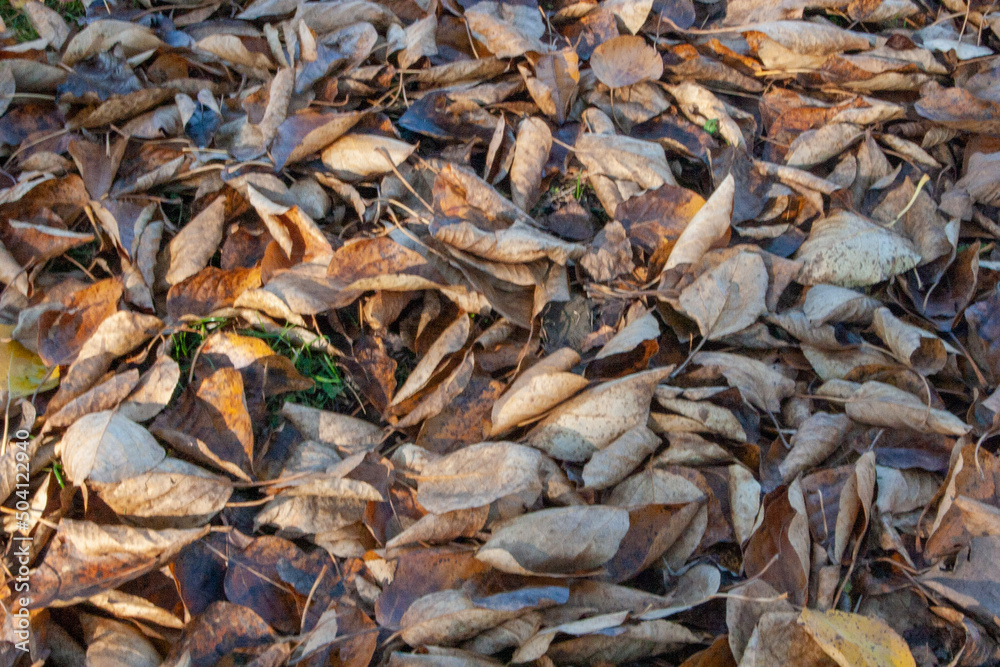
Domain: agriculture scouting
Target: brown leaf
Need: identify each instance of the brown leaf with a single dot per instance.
(211, 424)
(625, 61)
(85, 558)
(209, 290)
(478, 475)
(62, 332)
(217, 632)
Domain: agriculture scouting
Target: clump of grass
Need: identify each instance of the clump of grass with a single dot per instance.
(328, 385)
(17, 21)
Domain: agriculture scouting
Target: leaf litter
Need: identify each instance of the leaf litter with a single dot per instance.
(482, 333)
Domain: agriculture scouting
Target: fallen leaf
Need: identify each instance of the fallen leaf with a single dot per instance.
(849, 251)
(855, 640)
(624, 61)
(107, 448)
(706, 228)
(559, 540)
(728, 297)
(478, 475)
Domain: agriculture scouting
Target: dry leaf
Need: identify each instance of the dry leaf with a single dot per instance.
(625, 61)
(856, 641)
(727, 298)
(706, 228)
(534, 142)
(556, 541)
(847, 250)
(106, 447)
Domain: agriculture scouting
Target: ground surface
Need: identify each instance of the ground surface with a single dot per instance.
(481, 333)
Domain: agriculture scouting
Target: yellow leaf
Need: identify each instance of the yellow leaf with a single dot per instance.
(853, 640)
(21, 370)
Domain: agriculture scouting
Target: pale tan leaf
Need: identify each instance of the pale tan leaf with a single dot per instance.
(705, 416)
(855, 502)
(295, 516)
(507, 29)
(531, 151)
(654, 486)
(706, 228)
(879, 404)
(112, 643)
(920, 350)
(847, 250)
(701, 106)
(540, 388)
(816, 438)
(477, 475)
(536, 646)
(442, 528)
(559, 540)
(192, 248)
(451, 340)
(853, 640)
(624, 61)
(48, 23)
(447, 617)
(355, 157)
(84, 559)
(727, 298)
(612, 464)
(595, 418)
(345, 432)
(635, 643)
(640, 329)
(625, 158)
(104, 35)
(104, 396)
(420, 41)
(762, 385)
(632, 13)
(107, 447)
(902, 491)
(231, 49)
(829, 303)
(155, 388)
(744, 499)
(815, 146)
(517, 244)
(173, 494)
